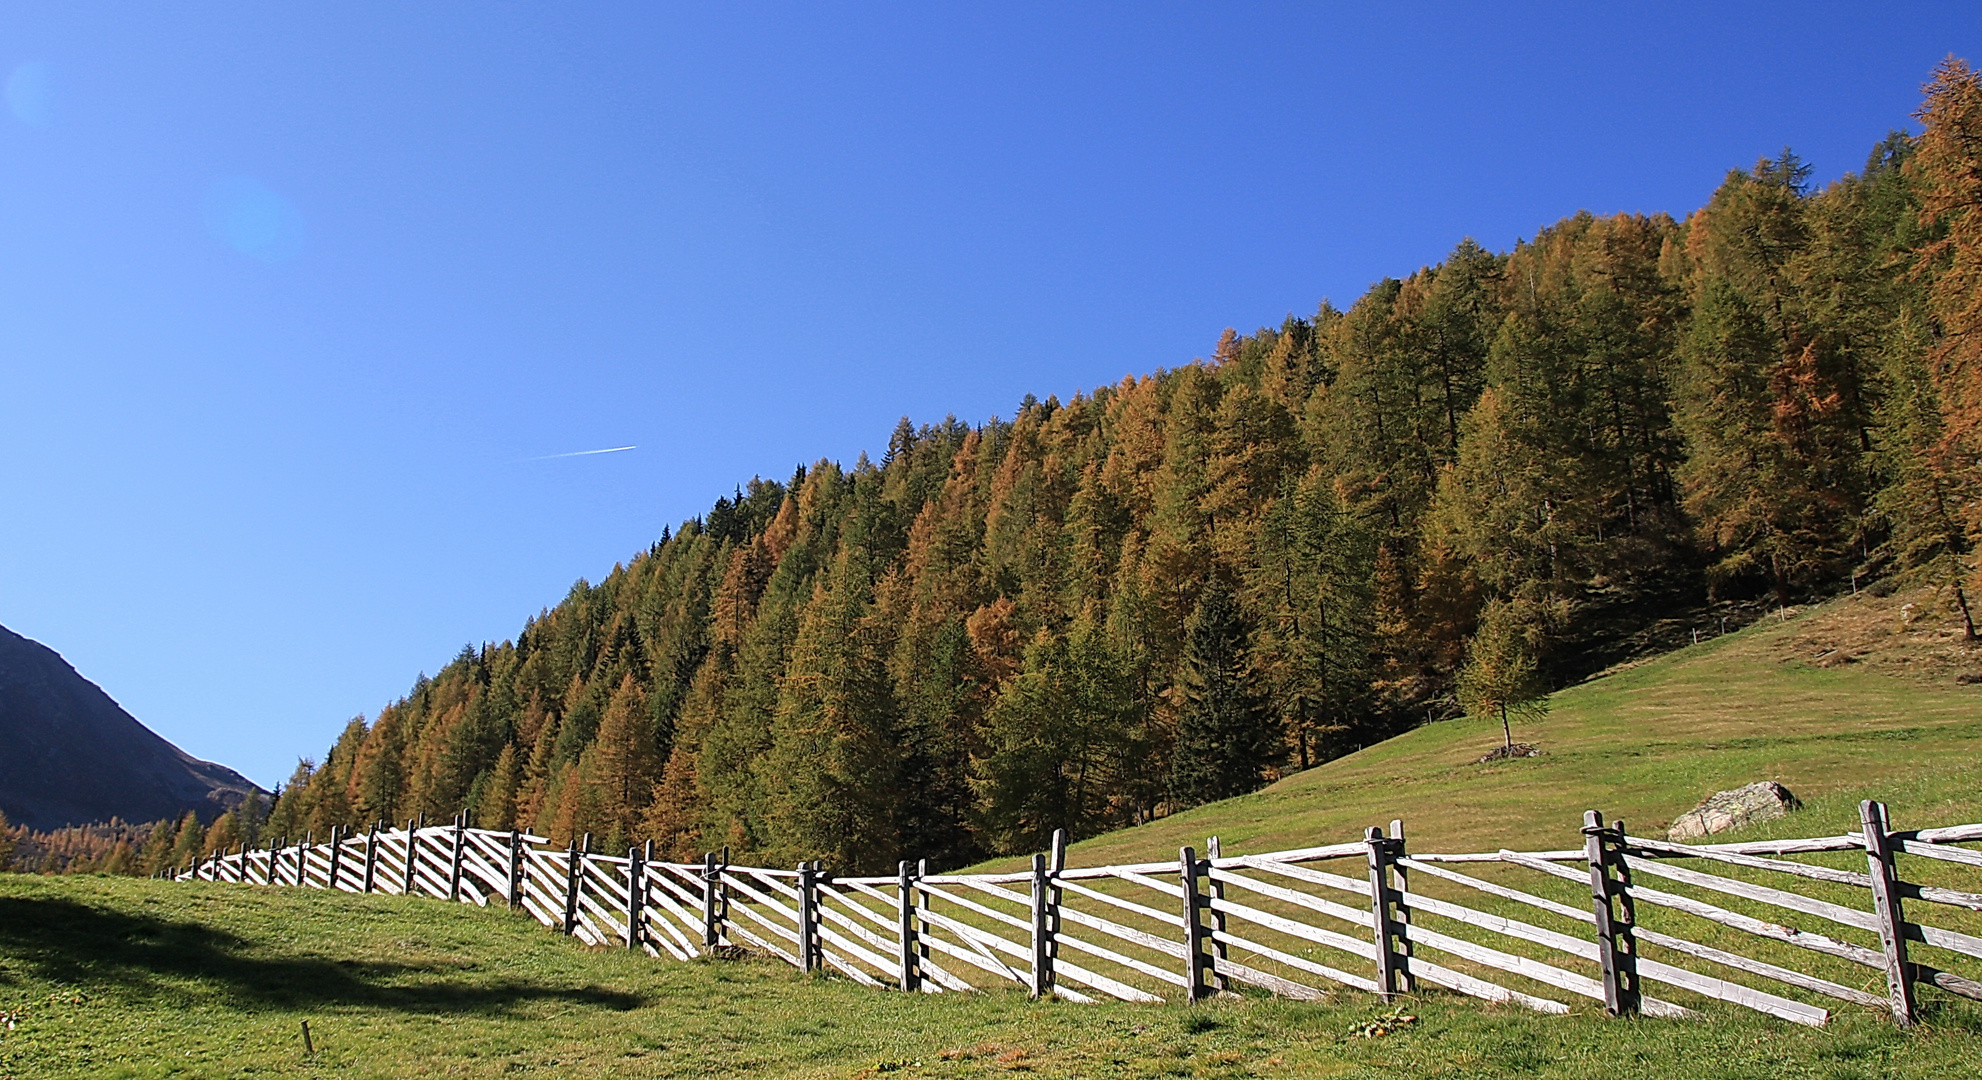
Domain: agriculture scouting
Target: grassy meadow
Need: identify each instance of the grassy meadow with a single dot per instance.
(121, 978)
(111, 977)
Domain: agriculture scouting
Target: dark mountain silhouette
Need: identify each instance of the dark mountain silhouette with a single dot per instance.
(69, 755)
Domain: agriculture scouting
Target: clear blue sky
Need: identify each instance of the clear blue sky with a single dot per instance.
(296, 299)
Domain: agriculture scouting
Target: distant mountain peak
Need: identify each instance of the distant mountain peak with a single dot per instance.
(69, 755)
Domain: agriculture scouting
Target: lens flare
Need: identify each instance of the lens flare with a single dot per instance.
(31, 96)
(249, 217)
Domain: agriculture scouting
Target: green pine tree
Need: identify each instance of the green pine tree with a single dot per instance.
(1227, 733)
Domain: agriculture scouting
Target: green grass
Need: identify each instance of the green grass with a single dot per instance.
(128, 978)
(123, 978)
(1644, 744)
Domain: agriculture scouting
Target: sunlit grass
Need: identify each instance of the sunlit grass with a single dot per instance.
(1644, 744)
(122, 978)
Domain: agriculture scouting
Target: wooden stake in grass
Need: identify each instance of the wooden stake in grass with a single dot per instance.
(309, 1048)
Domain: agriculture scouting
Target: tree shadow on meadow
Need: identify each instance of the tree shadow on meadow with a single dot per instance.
(65, 942)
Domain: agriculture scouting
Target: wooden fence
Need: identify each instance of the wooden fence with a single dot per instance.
(1608, 921)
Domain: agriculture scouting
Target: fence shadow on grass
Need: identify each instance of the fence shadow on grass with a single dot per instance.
(70, 943)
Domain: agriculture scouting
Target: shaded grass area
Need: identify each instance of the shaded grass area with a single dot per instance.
(1646, 744)
(123, 978)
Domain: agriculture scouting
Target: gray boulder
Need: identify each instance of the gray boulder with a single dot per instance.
(1725, 810)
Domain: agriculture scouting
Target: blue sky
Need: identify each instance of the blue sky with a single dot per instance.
(296, 300)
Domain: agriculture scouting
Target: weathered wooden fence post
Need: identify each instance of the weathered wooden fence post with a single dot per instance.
(1872, 816)
(413, 855)
(1046, 894)
(909, 975)
(711, 877)
(636, 895)
(303, 849)
(1402, 877)
(924, 903)
(454, 859)
(1190, 872)
(1383, 922)
(1056, 864)
(336, 855)
(808, 917)
(1213, 850)
(573, 866)
(1617, 947)
(1041, 983)
(371, 856)
(515, 869)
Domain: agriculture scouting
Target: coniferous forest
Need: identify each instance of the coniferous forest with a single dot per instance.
(1174, 588)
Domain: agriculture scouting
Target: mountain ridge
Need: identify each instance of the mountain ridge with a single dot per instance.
(74, 756)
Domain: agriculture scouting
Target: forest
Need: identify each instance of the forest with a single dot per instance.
(1178, 587)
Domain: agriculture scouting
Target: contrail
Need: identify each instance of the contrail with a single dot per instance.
(582, 453)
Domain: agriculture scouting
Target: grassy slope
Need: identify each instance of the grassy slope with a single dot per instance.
(129, 978)
(1887, 719)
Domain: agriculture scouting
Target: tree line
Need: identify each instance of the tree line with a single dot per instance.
(1175, 588)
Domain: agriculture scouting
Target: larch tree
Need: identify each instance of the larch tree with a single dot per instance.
(1502, 678)
(622, 765)
(1948, 168)
(188, 842)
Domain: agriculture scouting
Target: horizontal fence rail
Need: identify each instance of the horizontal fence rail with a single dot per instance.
(1617, 921)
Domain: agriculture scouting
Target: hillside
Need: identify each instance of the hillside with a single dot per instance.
(1481, 480)
(139, 979)
(72, 755)
(1861, 697)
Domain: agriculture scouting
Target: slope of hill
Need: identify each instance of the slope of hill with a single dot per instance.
(72, 755)
(1862, 697)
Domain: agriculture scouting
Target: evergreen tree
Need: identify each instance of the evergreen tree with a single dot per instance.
(1054, 743)
(831, 775)
(1924, 490)
(1315, 585)
(495, 806)
(1227, 734)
